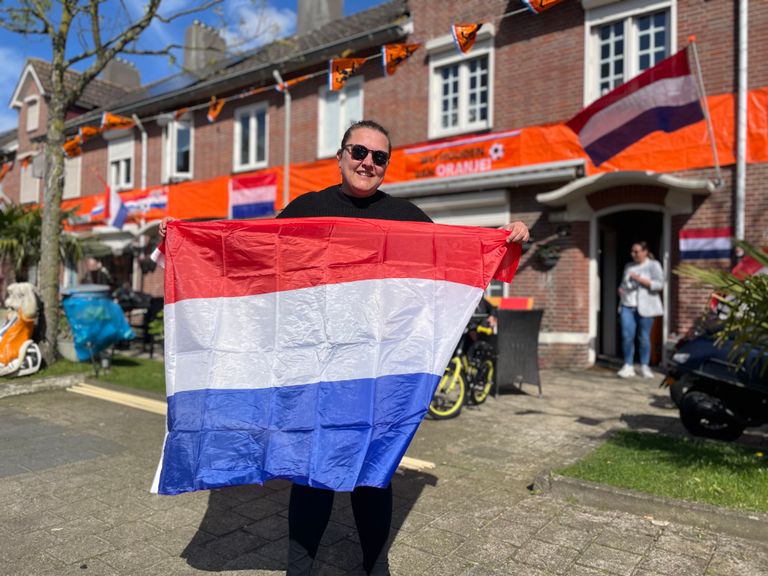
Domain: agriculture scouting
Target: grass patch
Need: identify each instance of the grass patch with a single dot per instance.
(685, 468)
(137, 373)
(60, 368)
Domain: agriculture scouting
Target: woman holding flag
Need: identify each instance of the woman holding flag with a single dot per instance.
(363, 159)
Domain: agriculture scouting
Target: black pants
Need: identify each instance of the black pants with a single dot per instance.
(308, 514)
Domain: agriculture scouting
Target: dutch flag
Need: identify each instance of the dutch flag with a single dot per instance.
(705, 243)
(664, 97)
(309, 349)
(252, 195)
(115, 212)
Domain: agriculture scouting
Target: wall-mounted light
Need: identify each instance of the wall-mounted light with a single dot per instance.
(563, 231)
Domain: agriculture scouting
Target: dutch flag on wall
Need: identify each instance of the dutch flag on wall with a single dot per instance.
(309, 349)
(252, 195)
(115, 212)
(664, 98)
(705, 243)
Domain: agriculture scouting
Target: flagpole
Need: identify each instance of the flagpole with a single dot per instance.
(705, 106)
(286, 137)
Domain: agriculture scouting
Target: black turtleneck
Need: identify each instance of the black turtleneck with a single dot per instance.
(333, 202)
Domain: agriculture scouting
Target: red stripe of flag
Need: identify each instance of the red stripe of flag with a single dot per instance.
(725, 232)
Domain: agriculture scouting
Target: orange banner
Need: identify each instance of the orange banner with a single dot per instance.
(392, 55)
(111, 121)
(465, 35)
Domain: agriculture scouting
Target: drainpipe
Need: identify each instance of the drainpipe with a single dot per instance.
(286, 138)
(137, 277)
(741, 121)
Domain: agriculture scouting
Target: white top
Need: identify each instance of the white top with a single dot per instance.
(646, 300)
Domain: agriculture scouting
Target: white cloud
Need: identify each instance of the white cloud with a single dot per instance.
(253, 24)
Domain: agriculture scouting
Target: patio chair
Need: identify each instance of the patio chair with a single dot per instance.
(518, 347)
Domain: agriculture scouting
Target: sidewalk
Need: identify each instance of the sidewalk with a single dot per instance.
(75, 473)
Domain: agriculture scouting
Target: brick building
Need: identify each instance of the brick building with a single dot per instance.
(478, 140)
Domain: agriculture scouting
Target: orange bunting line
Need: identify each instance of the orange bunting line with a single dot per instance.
(111, 121)
(292, 82)
(215, 109)
(538, 6)
(392, 55)
(341, 69)
(254, 91)
(73, 146)
(464, 35)
(88, 132)
(180, 112)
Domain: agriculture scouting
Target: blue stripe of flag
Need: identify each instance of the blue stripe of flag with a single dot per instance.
(253, 210)
(704, 254)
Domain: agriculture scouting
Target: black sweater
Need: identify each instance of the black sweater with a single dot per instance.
(333, 202)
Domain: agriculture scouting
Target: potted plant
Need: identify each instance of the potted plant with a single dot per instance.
(547, 254)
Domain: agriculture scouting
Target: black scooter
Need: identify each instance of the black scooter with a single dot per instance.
(716, 397)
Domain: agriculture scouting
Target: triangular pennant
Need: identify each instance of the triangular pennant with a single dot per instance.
(25, 162)
(392, 55)
(180, 112)
(538, 6)
(215, 109)
(292, 82)
(88, 132)
(111, 121)
(465, 35)
(72, 146)
(341, 69)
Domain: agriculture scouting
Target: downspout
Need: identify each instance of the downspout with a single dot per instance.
(741, 122)
(286, 138)
(137, 276)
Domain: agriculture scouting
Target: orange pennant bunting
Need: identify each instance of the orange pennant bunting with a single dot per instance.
(25, 162)
(4, 170)
(538, 6)
(465, 35)
(88, 132)
(180, 112)
(111, 121)
(392, 55)
(341, 69)
(215, 109)
(73, 146)
(292, 82)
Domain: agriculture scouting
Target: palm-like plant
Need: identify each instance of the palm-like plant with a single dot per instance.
(745, 299)
(20, 235)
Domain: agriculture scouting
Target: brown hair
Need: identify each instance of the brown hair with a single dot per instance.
(644, 245)
(370, 124)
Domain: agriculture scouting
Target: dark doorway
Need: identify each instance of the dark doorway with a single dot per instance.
(616, 234)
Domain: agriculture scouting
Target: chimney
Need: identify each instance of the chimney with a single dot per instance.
(121, 73)
(203, 47)
(314, 14)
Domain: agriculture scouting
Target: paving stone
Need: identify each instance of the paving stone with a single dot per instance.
(564, 535)
(81, 548)
(609, 560)
(662, 561)
(516, 533)
(405, 559)
(486, 550)
(344, 554)
(702, 545)
(173, 518)
(546, 556)
(132, 560)
(434, 541)
(630, 539)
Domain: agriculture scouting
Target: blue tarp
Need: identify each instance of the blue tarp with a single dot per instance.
(97, 322)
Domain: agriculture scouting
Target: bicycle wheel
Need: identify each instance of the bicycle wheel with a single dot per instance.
(449, 395)
(481, 358)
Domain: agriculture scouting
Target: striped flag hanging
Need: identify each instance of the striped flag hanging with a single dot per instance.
(705, 243)
(664, 98)
(309, 349)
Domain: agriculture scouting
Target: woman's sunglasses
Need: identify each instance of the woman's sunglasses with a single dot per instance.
(360, 152)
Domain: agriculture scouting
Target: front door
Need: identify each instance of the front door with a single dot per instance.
(616, 234)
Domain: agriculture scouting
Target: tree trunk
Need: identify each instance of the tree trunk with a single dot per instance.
(48, 276)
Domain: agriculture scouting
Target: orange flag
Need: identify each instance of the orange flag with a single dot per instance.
(4, 170)
(341, 69)
(215, 109)
(111, 121)
(465, 35)
(538, 6)
(88, 132)
(392, 55)
(292, 82)
(72, 146)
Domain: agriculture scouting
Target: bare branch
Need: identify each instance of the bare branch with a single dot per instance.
(188, 11)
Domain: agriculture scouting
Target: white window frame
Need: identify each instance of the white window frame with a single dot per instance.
(33, 113)
(329, 148)
(253, 163)
(170, 149)
(72, 171)
(29, 185)
(119, 150)
(443, 52)
(599, 13)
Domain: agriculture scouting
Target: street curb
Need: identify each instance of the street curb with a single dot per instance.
(737, 523)
(12, 388)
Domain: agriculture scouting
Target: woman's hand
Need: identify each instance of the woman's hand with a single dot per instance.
(163, 229)
(642, 280)
(518, 232)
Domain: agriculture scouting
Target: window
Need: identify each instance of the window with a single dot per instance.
(250, 137)
(178, 150)
(72, 177)
(461, 86)
(623, 39)
(30, 186)
(337, 109)
(33, 113)
(121, 163)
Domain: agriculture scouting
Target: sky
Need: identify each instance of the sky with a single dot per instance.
(245, 24)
